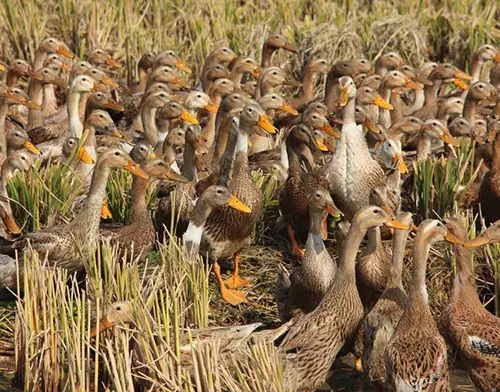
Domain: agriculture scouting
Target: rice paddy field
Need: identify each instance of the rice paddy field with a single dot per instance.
(45, 338)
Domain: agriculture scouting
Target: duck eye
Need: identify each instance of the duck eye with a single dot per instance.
(480, 86)
(219, 191)
(118, 308)
(117, 153)
(376, 211)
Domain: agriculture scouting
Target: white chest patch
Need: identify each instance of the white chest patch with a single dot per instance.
(193, 234)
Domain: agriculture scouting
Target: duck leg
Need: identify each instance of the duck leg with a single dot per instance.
(236, 280)
(233, 297)
(295, 248)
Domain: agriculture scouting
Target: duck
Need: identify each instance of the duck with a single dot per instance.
(215, 72)
(137, 237)
(17, 160)
(468, 326)
(227, 232)
(149, 107)
(271, 45)
(477, 92)
(489, 191)
(451, 107)
(270, 79)
(61, 245)
(380, 323)
(318, 336)
(301, 291)
(219, 56)
(293, 200)
(352, 172)
(99, 57)
(18, 68)
(432, 130)
(482, 55)
(409, 363)
(387, 62)
(241, 65)
(144, 66)
(171, 59)
(314, 69)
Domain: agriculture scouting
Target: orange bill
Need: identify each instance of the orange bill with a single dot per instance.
(462, 75)
(211, 108)
(330, 208)
(238, 205)
(105, 211)
(136, 170)
(152, 156)
(179, 82)
(116, 133)
(265, 124)
(344, 97)
(172, 175)
(2, 67)
(84, 156)
(11, 225)
(182, 66)
(287, 108)
(96, 88)
(107, 81)
(447, 138)
(114, 106)
(62, 51)
(450, 237)
(112, 62)
(395, 224)
(371, 126)
(461, 84)
(320, 144)
(255, 73)
(382, 103)
(31, 104)
(31, 147)
(476, 242)
(412, 85)
(103, 325)
(327, 128)
(398, 159)
(188, 117)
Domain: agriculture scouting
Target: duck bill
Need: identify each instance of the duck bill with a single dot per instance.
(371, 126)
(62, 51)
(114, 106)
(103, 325)
(179, 64)
(152, 156)
(289, 47)
(330, 209)
(105, 211)
(211, 108)
(238, 205)
(398, 159)
(172, 175)
(136, 170)
(31, 147)
(461, 84)
(462, 75)
(84, 156)
(447, 138)
(412, 85)
(177, 81)
(265, 124)
(476, 242)
(395, 224)
(11, 224)
(31, 105)
(98, 87)
(450, 237)
(116, 133)
(287, 108)
(327, 128)
(65, 67)
(497, 57)
(188, 117)
(255, 73)
(110, 61)
(2, 68)
(107, 81)
(382, 103)
(344, 97)
(320, 144)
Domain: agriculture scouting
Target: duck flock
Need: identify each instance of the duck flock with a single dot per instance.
(341, 153)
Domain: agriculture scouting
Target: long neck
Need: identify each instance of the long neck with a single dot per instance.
(138, 199)
(418, 289)
(148, 116)
(385, 116)
(227, 160)
(350, 250)
(169, 155)
(374, 240)
(143, 80)
(423, 147)
(398, 251)
(12, 78)
(430, 93)
(35, 92)
(192, 236)
(49, 97)
(189, 168)
(476, 68)
(235, 77)
(418, 103)
(40, 57)
(84, 98)
(4, 108)
(93, 203)
(442, 114)
(208, 131)
(267, 55)
(331, 91)
(241, 151)
(469, 110)
(349, 112)
(75, 124)
(397, 113)
(285, 162)
(308, 86)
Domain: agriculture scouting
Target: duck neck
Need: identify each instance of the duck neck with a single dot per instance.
(189, 168)
(442, 114)
(241, 150)
(469, 110)
(148, 115)
(374, 240)
(143, 80)
(49, 98)
(293, 160)
(226, 166)
(169, 155)
(396, 113)
(192, 236)
(285, 162)
(12, 78)
(418, 289)
(40, 57)
(235, 76)
(82, 105)
(308, 86)
(349, 112)
(476, 66)
(208, 131)
(138, 200)
(90, 214)
(35, 92)
(430, 92)
(418, 103)
(423, 147)
(350, 250)
(4, 109)
(332, 91)
(75, 124)
(267, 55)
(314, 239)
(398, 250)
(384, 114)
